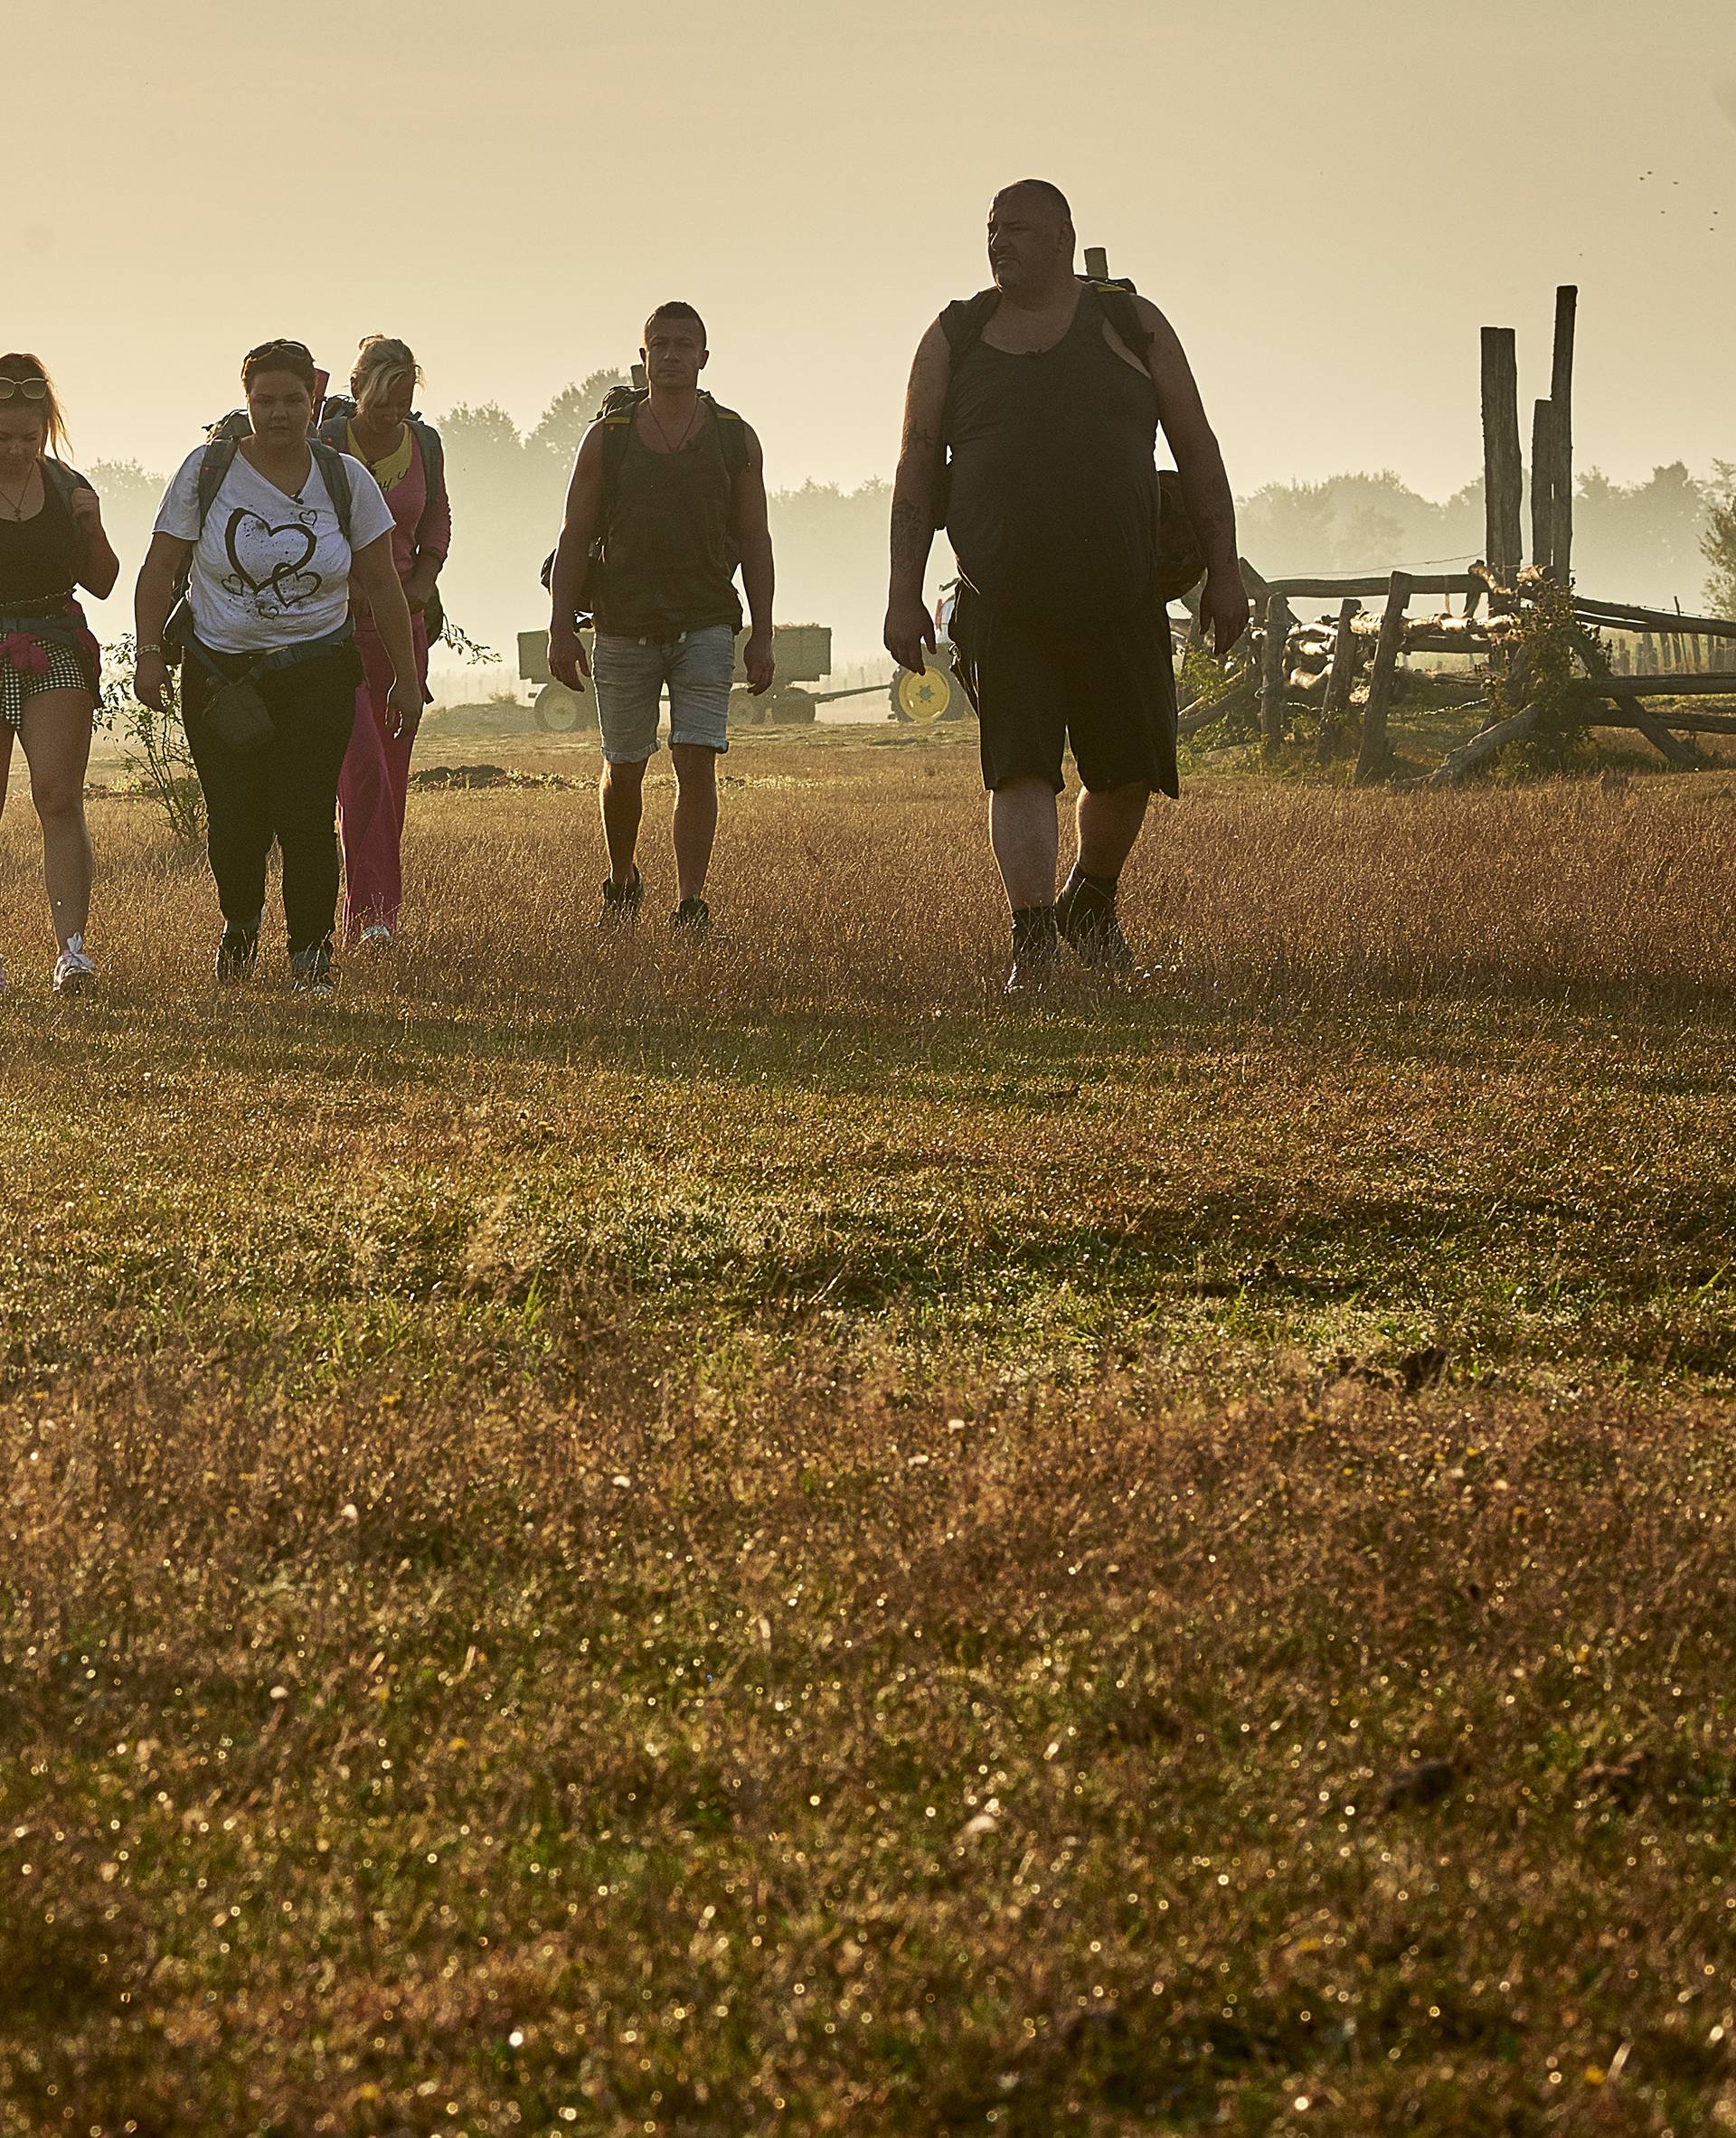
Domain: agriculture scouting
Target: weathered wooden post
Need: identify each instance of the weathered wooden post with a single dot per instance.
(1371, 759)
(1340, 680)
(1561, 400)
(1274, 665)
(1542, 485)
(1502, 456)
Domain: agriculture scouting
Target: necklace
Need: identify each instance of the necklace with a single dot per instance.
(17, 504)
(663, 435)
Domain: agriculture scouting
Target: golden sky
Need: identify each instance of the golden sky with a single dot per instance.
(1328, 200)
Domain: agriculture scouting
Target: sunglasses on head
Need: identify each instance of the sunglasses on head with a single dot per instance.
(31, 388)
(278, 348)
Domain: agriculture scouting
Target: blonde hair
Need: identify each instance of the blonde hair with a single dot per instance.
(18, 366)
(381, 362)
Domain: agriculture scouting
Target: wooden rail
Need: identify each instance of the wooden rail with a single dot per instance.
(1363, 590)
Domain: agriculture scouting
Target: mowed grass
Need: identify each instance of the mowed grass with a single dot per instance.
(605, 1538)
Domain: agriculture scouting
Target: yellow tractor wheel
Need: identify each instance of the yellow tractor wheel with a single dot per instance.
(562, 711)
(927, 697)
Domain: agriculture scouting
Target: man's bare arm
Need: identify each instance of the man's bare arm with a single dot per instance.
(571, 556)
(909, 626)
(1205, 484)
(753, 540)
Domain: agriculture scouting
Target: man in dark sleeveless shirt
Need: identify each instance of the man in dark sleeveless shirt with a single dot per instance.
(1052, 419)
(683, 502)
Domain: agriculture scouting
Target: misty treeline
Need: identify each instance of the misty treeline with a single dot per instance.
(1637, 542)
(1641, 542)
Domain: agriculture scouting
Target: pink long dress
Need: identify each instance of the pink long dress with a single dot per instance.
(375, 779)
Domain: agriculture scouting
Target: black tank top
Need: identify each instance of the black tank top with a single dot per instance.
(39, 557)
(669, 567)
(1054, 483)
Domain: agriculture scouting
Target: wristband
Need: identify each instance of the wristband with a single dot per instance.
(148, 649)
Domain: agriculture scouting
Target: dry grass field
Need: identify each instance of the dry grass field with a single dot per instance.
(608, 1538)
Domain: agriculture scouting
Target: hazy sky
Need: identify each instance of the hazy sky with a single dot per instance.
(1328, 200)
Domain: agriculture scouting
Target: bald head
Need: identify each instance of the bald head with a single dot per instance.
(1031, 241)
(1037, 196)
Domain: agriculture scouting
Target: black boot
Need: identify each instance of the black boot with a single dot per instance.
(1036, 951)
(237, 949)
(1086, 917)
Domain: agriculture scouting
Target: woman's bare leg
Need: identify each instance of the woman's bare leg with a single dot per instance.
(56, 735)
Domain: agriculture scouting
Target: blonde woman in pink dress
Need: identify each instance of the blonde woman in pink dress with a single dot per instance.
(379, 428)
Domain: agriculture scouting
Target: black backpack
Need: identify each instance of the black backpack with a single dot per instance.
(222, 442)
(1181, 563)
(618, 413)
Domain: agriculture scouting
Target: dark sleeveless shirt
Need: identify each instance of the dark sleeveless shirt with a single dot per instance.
(669, 565)
(39, 557)
(1054, 482)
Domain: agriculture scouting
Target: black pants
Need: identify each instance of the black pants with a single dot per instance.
(287, 791)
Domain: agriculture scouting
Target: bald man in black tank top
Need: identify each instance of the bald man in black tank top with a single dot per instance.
(1052, 419)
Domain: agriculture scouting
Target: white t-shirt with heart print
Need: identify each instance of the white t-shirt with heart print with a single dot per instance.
(270, 569)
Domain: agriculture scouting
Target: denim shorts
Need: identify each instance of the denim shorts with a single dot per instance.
(631, 674)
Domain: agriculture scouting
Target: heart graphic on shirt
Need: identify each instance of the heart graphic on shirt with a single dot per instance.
(270, 560)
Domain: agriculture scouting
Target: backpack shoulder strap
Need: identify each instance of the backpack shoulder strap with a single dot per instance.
(433, 452)
(963, 322)
(66, 481)
(1123, 314)
(731, 437)
(334, 471)
(214, 464)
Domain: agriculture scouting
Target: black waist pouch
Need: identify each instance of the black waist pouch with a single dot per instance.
(238, 716)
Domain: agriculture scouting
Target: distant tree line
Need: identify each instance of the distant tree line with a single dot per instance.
(1635, 542)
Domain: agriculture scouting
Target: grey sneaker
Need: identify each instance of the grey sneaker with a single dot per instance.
(311, 970)
(74, 971)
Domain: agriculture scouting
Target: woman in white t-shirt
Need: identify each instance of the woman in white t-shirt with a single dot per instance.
(266, 530)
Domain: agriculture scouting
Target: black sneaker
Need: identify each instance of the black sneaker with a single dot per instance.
(1086, 917)
(311, 970)
(692, 918)
(238, 950)
(621, 902)
(1036, 952)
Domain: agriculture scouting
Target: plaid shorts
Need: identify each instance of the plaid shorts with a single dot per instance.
(63, 673)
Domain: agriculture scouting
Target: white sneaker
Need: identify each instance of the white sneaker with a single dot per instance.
(74, 972)
(376, 935)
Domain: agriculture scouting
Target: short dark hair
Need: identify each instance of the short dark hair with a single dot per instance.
(676, 309)
(280, 355)
(1050, 195)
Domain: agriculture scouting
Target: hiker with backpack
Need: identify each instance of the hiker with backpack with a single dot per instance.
(248, 583)
(667, 495)
(52, 541)
(1029, 433)
(378, 427)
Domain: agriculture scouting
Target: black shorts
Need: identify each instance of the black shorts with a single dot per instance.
(1107, 690)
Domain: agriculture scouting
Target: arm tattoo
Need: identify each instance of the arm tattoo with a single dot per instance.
(912, 538)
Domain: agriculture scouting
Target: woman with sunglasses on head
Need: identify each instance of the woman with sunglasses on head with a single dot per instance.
(269, 528)
(52, 541)
(382, 429)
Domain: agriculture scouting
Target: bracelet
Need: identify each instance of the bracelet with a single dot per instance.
(148, 649)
